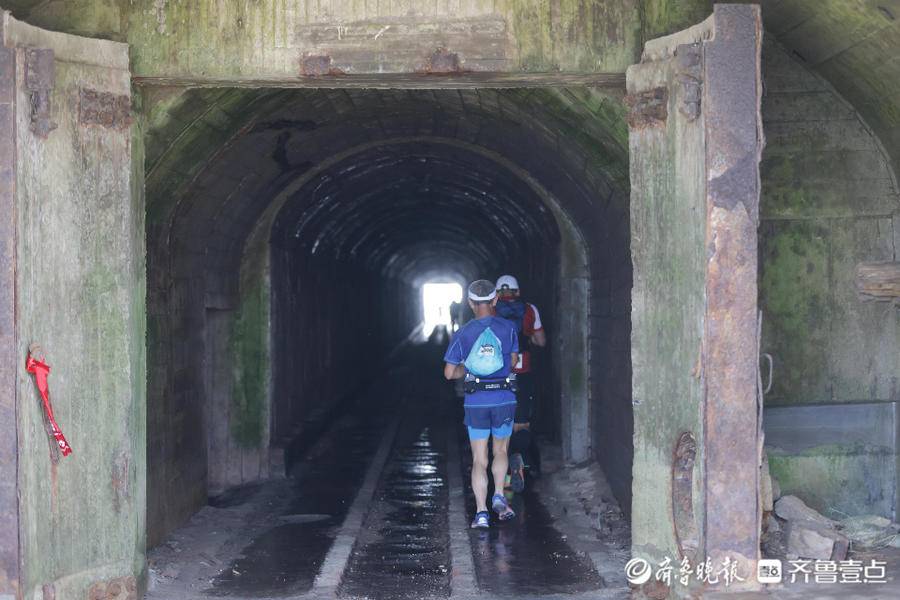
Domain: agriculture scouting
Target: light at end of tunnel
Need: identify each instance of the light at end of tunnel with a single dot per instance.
(436, 301)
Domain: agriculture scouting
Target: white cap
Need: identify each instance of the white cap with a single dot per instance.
(507, 281)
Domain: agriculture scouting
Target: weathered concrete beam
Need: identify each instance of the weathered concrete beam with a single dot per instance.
(274, 38)
(458, 80)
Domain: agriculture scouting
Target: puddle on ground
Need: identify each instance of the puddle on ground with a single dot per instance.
(285, 560)
(403, 552)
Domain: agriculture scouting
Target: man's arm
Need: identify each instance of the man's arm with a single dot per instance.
(534, 327)
(514, 358)
(452, 371)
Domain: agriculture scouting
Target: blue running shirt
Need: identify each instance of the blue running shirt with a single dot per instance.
(461, 344)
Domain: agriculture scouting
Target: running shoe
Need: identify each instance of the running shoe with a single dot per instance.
(517, 473)
(481, 520)
(502, 508)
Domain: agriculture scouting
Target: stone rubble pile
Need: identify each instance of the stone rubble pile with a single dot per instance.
(809, 533)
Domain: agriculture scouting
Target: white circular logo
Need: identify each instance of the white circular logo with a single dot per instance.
(638, 571)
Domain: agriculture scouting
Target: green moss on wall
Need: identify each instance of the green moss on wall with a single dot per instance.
(838, 480)
(250, 349)
(184, 128)
(662, 17)
(591, 119)
(794, 297)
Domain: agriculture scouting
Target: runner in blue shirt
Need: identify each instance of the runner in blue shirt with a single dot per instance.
(484, 352)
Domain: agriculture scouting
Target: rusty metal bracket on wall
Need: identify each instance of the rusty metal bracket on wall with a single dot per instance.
(687, 534)
(40, 74)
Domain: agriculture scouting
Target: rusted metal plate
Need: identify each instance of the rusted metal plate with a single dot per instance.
(731, 102)
(686, 531)
(104, 109)
(317, 65)
(39, 69)
(9, 505)
(121, 588)
(647, 109)
(40, 73)
(443, 61)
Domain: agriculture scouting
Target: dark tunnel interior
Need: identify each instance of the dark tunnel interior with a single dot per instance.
(365, 235)
(286, 260)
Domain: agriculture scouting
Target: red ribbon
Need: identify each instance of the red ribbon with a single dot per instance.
(41, 370)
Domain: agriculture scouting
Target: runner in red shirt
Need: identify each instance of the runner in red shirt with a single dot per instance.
(522, 451)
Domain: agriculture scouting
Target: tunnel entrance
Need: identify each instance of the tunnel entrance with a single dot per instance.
(286, 259)
(300, 239)
(294, 258)
(291, 268)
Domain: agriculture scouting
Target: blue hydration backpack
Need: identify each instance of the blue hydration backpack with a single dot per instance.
(512, 310)
(486, 355)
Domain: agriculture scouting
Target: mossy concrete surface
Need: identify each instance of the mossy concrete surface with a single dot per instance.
(828, 203)
(841, 459)
(80, 295)
(270, 38)
(668, 248)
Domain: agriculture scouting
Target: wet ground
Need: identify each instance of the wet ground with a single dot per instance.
(378, 508)
(527, 555)
(285, 560)
(369, 513)
(403, 551)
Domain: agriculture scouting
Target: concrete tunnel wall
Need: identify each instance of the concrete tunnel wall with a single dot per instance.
(344, 173)
(829, 202)
(184, 130)
(73, 243)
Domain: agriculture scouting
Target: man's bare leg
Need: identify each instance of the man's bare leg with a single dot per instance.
(500, 464)
(479, 473)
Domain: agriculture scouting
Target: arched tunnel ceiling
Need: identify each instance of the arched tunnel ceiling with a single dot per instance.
(855, 46)
(419, 174)
(185, 128)
(410, 208)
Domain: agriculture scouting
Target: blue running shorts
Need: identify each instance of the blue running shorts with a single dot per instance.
(484, 421)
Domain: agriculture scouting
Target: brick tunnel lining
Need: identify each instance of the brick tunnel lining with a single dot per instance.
(345, 174)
